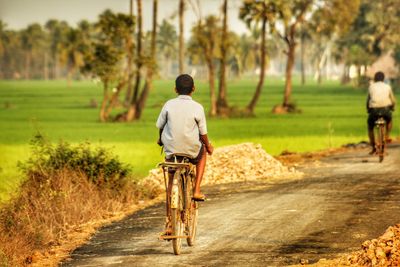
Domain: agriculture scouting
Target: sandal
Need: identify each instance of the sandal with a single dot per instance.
(168, 228)
(199, 198)
(373, 151)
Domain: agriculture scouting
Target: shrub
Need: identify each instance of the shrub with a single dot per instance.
(65, 187)
(98, 164)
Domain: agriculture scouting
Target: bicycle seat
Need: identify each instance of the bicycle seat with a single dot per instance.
(181, 155)
(380, 121)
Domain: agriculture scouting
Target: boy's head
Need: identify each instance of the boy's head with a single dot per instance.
(379, 76)
(184, 84)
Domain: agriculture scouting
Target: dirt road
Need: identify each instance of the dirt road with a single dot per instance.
(349, 198)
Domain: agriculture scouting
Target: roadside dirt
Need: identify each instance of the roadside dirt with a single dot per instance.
(343, 199)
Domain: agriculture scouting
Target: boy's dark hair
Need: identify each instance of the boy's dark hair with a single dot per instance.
(379, 76)
(184, 84)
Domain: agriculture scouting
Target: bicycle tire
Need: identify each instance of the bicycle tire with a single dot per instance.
(191, 223)
(381, 143)
(176, 220)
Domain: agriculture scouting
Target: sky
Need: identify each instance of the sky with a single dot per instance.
(17, 14)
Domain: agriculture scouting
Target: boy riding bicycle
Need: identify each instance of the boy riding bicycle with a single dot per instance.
(380, 103)
(183, 130)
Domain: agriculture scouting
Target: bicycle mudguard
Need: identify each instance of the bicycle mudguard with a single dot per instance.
(175, 191)
(380, 121)
(173, 165)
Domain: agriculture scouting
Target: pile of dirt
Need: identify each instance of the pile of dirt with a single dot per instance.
(236, 163)
(383, 251)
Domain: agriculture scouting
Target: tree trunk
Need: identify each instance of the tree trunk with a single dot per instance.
(222, 103)
(346, 75)
(358, 75)
(28, 58)
(302, 52)
(257, 93)
(45, 67)
(133, 103)
(181, 39)
(211, 82)
(129, 51)
(289, 69)
(150, 71)
(70, 72)
(56, 67)
(103, 116)
(114, 97)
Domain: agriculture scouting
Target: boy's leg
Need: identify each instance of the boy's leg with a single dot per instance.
(371, 140)
(168, 203)
(389, 126)
(200, 166)
(371, 125)
(168, 195)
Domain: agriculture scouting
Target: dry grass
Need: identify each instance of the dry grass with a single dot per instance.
(51, 206)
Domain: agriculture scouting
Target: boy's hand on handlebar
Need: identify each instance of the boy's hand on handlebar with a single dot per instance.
(159, 142)
(210, 149)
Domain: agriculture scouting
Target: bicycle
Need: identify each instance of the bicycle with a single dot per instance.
(183, 209)
(380, 137)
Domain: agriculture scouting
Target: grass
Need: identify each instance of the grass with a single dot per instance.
(332, 115)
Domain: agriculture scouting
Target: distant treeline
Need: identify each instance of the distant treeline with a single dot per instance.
(301, 35)
(56, 50)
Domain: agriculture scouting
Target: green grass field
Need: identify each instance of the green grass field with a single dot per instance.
(332, 115)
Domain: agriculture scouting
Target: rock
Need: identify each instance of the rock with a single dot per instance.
(383, 251)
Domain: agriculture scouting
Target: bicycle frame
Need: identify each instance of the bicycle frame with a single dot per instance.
(380, 125)
(182, 172)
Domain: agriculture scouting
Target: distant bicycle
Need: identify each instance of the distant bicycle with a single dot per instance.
(380, 136)
(182, 208)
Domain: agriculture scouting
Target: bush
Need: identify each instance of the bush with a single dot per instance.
(99, 165)
(65, 187)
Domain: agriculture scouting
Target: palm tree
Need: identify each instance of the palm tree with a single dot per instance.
(202, 47)
(57, 31)
(254, 12)
(73, 49)
(2, 46)
(292, 15)
(249, 57)
(181, 37)
(166, 40)
(152, 65)
(2, 37)
(139, 63)
(222, 102)
(139, 59)
(109, 55)
(129, 50)
(32, 40)
(138, 101)
(13, 54)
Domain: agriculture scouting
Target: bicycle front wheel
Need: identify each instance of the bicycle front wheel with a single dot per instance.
(192, 211)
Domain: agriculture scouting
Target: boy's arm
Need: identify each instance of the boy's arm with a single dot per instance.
(161, 121)
(159, 142)
(207, 144)
(368, 99)
(392, 98)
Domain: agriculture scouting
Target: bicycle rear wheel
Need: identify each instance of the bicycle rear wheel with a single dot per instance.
(176, 217)
(382, 142)
(192, 210)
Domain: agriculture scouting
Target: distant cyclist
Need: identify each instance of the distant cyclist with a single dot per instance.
(380, 103)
